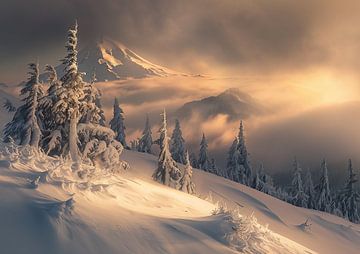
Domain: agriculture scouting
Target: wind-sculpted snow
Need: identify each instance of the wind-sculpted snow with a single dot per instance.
(47, 208)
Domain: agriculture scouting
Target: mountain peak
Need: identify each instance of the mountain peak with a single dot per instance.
(112, 60)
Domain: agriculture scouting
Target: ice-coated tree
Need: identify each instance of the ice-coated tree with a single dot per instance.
(146, 141)
(349, 198)
(177, 146)
(238, 163)
(186, 183)
(117, 123)
(24, 126)
(71, 104)
(309, 190)
(167, 171)
(93, 112)
(299, 198)
(323, 194)
(193, 160)
(204, 162)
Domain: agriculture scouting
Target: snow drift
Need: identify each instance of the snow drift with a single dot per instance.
(46, 208)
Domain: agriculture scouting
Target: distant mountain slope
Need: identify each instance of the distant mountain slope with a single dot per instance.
(111, 60)
(232, 102)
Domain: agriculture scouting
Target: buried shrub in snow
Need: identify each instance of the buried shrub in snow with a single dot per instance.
(246, 235)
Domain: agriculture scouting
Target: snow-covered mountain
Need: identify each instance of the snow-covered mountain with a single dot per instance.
(111, 60)
(232, 102)
(45, 208)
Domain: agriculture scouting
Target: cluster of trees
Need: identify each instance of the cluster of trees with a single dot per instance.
(301, 191)
(64, 117)
(168, 171)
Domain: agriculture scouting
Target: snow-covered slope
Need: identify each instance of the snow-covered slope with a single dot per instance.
(111, 60)
(130, 213)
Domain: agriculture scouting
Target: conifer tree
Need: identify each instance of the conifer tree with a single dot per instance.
(213, 167)
(263, 182)
(231, 162)
(193, 160)
(177, 146)
(9, 106)
(186, 183)
(167, 171)
(117, 123)
(323, 199)
(146, 141)
(48, 101)
(24, 126)
(71, 105)
(238, 163)
(299, 197)
(93, 109)
(349, 197)
(309, 190)
(204, 162)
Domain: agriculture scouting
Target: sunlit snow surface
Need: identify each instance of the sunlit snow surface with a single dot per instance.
(46, 208)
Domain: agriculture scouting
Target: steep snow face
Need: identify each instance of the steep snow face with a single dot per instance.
(232, 102)
(45, 208)
(111, 60)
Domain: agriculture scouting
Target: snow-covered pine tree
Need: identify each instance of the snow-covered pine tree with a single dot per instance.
(193, 160)
(146, 141)
(257, 184)
(263, 182)
(213, 168)
(52, 131)
(117, 123)
(309, 190)
(71, 95)
(323, 199)
(98, 104)
(349, 198)
(24, 126)
(244, 159)
(238, 163)
(204, 162)
(167, 171)
(299, 198)
(9, 106)
(186, 183)
(231, 162)
(93, 113)
(177, 146)
(47, 102)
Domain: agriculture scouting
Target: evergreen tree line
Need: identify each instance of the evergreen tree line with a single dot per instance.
(301, 191)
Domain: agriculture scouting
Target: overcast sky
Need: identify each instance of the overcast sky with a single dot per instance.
(300, 58)
(205, 36)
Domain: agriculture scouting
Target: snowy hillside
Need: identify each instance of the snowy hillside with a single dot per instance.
(111, 60)
(44, 208)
